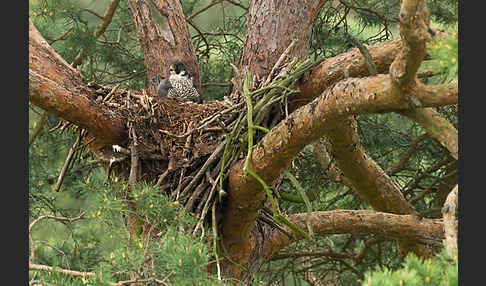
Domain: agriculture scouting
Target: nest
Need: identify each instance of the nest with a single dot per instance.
(174, 142)
(187, 149)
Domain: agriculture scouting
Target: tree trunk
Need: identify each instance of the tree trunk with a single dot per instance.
(271, 27)
(164, 37)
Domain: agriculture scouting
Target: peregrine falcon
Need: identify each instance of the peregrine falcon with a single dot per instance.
(183, 85)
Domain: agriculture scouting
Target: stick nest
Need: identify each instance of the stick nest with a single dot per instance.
(188, 149)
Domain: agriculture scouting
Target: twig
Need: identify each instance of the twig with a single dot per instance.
(222, 84)
(69, 157)
(60, 270)
(58, 218)
(304, 196)
(100, 30)
(201, 34)
(61, 124)
(430, 188)
(365, 52)
(203, 9)
(40, 124)
(282, 57)
(120, 283)
(215, 238)
(203, 123)
(162, 177)
(249, 118)
(195, 194)
(93, 12)
(237, 4)
(407, 155)
(62, 36)
(413, 184)
(62, 219)
(132, 179)
(277, 216)
(208, 162)
(92, 274)
(205, 208)
(110, 94)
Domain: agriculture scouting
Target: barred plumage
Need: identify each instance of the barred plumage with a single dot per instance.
(179, 86)
(182, 88)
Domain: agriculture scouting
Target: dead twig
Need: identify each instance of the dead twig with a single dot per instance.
(69, 157)
(38, 128)
(208, 162)
(100, 30)
(60, 270)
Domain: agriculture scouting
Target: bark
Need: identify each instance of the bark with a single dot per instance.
(278, 148)
(414, 31)
(450, 222)
(321, 151)
(353, 63)
(56, 87)
(272, 26)
(368, 179)
(164, 37)
(359, 221)
(437, 127)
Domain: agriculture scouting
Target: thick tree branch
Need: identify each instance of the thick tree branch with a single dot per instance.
(56, 87)
(414, 31)
(278, 148)
(354, 64)
(358, 221)
(368, 179)
(437, 127)
(334, 69)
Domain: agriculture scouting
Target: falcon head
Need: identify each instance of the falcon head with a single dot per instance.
(178, 68)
